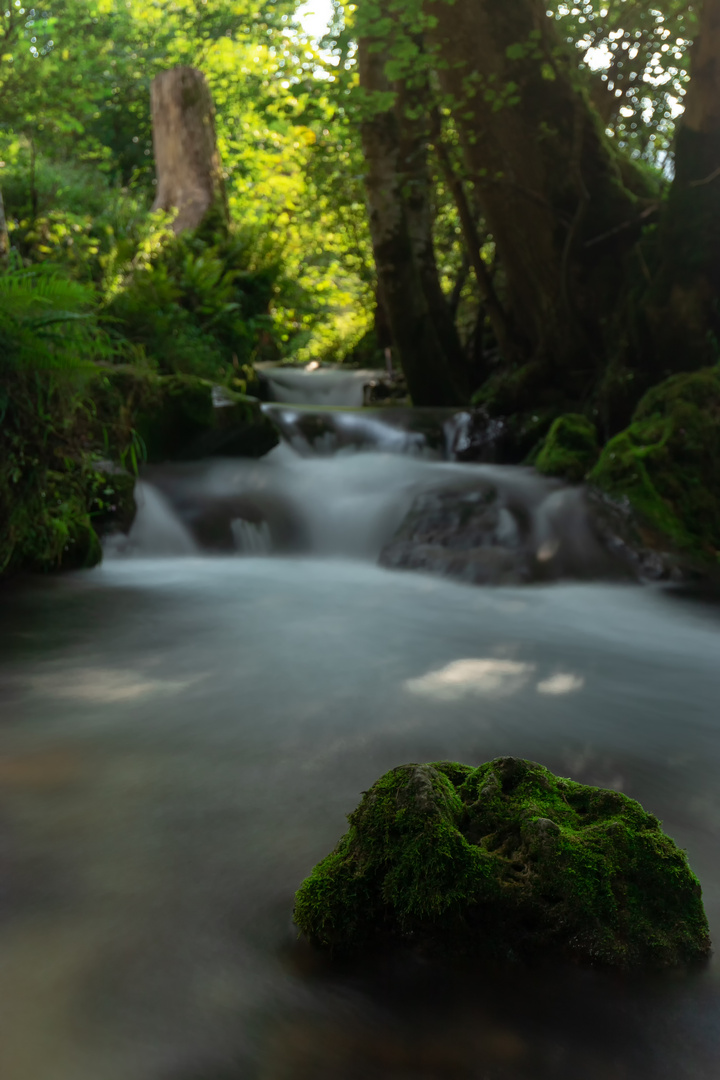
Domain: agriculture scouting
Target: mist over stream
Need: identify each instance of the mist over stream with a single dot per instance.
(185, 728)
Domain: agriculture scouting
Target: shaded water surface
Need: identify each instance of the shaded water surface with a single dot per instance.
(180, 741)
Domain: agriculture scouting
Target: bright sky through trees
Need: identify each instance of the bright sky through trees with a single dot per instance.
(314, 16)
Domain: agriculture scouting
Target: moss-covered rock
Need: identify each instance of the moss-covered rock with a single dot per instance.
(570, 448)
(667, 464)
(180, 417)
(526, 402)
(505, 860)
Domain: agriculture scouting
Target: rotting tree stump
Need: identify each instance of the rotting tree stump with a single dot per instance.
(189, 175)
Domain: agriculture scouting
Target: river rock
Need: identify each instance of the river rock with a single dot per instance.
(507, 861)
(469, 535)
(506, 529)
(256, 523)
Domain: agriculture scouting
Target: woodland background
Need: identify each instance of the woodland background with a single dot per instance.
(519, 199)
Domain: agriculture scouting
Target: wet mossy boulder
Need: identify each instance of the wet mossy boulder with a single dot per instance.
(505, 861)
(666, 465)
(570, 448)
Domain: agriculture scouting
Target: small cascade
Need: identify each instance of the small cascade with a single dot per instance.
(325, 433)
(380, 484)
(157, 529)
(251, 538)
(322, 386)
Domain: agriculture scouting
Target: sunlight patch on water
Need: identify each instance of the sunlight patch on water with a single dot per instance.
(105, 686)
(463, 678)
(562, 683)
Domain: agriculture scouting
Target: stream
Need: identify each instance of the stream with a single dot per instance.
(185, 727)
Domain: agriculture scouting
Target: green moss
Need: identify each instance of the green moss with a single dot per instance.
(175, 418)
(505, 860)
(55, 501)
(570, 448)
(50, 528)
(667, 463)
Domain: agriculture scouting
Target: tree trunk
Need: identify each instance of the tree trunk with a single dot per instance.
(684, 308)
(400, 226)
(547, 179)
(411, 111)
(189, 176)
(473, 246)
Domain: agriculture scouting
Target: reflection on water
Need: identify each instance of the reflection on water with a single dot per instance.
(463, 678)
(180, 741)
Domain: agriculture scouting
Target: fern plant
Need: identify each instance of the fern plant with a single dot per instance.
(48, 321)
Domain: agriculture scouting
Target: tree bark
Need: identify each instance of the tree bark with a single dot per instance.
(412, 113)
(424, 335)
(684, 309)
(189, 176)
(473, 246)
(546, 177)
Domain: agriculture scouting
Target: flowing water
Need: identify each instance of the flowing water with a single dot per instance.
(183, 733)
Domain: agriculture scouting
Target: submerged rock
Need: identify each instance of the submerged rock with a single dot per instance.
(468, 535)
(502, 531)
(507, 861)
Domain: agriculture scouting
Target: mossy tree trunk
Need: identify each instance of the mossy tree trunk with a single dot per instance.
(548, 180)
(189, 175)
(593, 305)
(398, 190)
(684, 304)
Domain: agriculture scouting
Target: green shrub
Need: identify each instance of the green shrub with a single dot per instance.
(196, 306)
(50, 490)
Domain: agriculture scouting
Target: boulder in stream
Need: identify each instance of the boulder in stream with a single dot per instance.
(505, 861)
(663, 474)
(506, 527)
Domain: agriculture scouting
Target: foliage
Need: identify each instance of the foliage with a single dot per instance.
(636, 56)
(505, 860)
(199, 306)
(75, 140)
(48, 321)
(50, 488)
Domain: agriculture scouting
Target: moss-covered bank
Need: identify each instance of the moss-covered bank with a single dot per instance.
(174, 417)
(570, 448)
(505, 860)
(57, 495)
(666, 464)
(72, 442)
